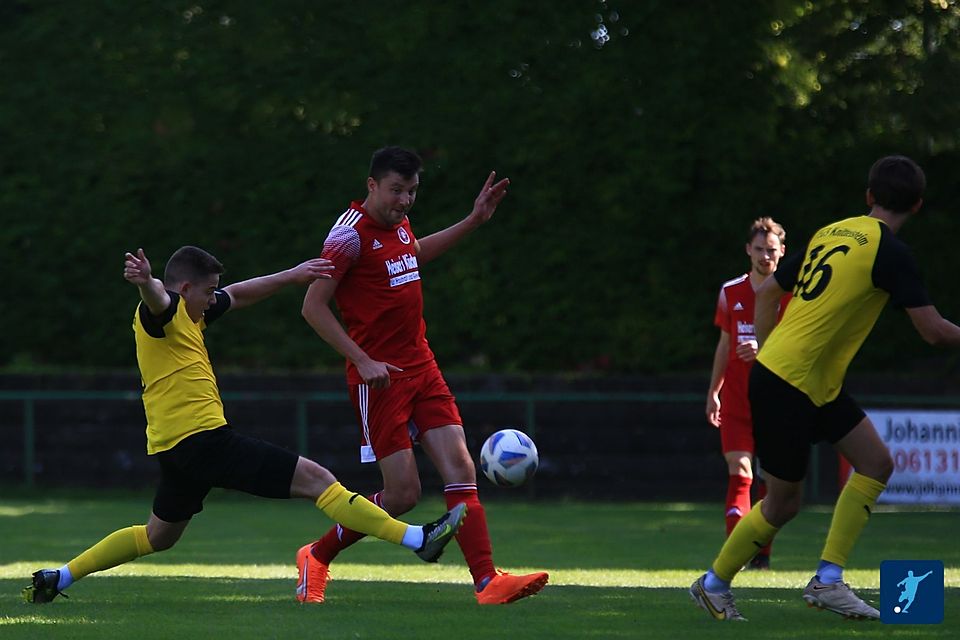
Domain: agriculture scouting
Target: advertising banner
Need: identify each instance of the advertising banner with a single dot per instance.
(925, 446)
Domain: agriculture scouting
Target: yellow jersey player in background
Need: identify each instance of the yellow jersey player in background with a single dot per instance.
(840, 284)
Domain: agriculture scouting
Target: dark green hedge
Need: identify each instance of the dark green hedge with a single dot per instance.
(641, 139)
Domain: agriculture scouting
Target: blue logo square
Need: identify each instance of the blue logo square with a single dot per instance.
(911, 591)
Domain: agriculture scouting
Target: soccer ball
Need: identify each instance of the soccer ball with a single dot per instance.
(509, 458)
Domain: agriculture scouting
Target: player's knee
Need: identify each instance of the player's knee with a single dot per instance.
(740, 468)
(401, 500)
(162, 540)
(321, 478)
(791, 508)
(885, 467)
(739, 463)
(310, 479)
(879, 467)
(781, 509)
(162, 544)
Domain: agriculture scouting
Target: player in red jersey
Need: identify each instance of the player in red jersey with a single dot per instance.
(396, 387)
(727, 405)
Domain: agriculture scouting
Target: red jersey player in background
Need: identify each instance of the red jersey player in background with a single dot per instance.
(727, 404)
(396, 387)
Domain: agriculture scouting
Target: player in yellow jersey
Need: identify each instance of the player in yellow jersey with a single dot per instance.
(840, 284)
(189, 435)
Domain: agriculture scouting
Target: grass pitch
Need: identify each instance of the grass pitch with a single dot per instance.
(616, 571)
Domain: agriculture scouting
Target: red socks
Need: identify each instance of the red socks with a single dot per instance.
(473, 537)
(738, 500)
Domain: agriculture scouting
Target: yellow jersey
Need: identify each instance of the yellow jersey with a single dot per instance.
(180, 395)
(840, 285)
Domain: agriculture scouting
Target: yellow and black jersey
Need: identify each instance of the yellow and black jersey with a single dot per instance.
(180, 395)
(840, 285)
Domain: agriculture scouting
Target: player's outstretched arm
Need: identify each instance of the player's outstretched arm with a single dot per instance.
(765, 309)
(933, 327)
(316, 311)
(436, 244)
(248, 292)
(136, 269)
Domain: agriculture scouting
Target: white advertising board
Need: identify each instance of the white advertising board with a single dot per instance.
(925, 446)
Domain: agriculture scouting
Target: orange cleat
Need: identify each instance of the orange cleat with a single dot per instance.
(313, 576)
(505, 588)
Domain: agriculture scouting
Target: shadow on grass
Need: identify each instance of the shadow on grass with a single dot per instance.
(146, 608)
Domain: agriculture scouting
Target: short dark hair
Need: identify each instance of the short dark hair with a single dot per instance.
(765, 226)
(189, 264)
(404, 162)
(897, 183)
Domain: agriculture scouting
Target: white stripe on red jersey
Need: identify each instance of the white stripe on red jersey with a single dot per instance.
(349, 218)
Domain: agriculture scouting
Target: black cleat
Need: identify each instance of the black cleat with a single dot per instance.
(437, 534)
(44, 587)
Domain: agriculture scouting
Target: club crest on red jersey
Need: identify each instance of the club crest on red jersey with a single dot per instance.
(403, 235)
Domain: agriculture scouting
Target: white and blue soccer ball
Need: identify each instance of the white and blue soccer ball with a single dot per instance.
(509, 458)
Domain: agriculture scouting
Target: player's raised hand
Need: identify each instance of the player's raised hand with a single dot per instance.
(136, 268)
(313, 269)
(490, 196)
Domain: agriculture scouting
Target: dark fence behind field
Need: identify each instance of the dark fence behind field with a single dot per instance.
(637, 439)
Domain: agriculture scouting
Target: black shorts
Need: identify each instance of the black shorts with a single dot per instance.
(786, 423)
(219, 458)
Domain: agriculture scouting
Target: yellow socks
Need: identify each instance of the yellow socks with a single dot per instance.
(850, 516)
(750, 535)
(118, 547)
(349, 509)
(355, 512)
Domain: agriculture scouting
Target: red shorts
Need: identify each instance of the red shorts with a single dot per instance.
(736, 433)
(392, 419)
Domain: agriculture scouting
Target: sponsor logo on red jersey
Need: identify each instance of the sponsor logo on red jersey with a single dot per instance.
(397, 266)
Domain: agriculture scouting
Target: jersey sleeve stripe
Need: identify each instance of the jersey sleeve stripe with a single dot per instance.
(736, 280)
(349, 218)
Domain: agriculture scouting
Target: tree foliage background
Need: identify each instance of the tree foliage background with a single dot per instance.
(641, 139)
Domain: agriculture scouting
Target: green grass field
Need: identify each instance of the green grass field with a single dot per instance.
(617, 571)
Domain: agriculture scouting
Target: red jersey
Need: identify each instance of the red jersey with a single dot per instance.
(379, 294)
(735, 316)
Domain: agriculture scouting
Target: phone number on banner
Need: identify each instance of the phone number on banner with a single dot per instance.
(925, 446)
